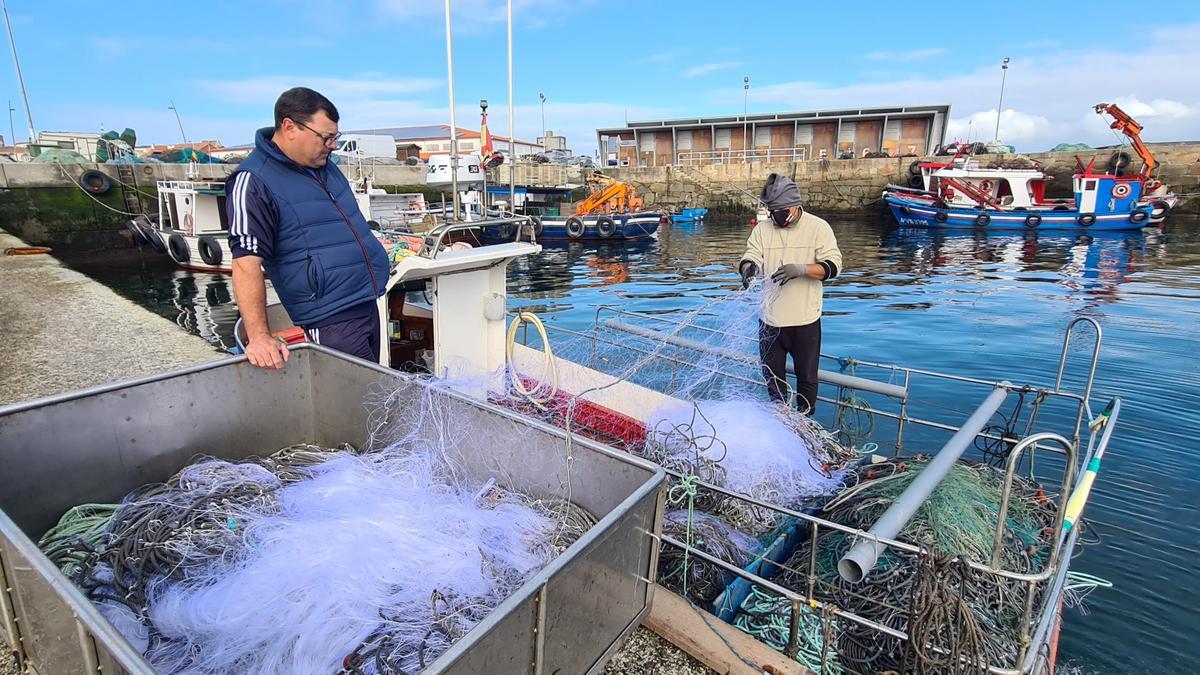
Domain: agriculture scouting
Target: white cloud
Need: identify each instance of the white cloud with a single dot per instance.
(1016, 127)
(914, 55)
(1049, 93)
(706, 68)
(1159, 107)
(265, 89)
(472, 14)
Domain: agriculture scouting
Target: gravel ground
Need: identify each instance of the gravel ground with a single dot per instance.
(8, 661)
(647, 653)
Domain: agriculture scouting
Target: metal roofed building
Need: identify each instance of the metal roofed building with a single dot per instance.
(435, 139)
(785, 136)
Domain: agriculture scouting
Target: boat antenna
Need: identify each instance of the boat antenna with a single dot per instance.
(453, 126)
(20, 78)
(512, 143)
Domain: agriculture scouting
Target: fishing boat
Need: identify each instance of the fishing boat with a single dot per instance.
(618, 227)
(962, 193)
(688, 215)
(191, 225)
(612, 212)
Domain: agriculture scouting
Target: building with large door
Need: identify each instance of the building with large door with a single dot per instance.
(788, 136)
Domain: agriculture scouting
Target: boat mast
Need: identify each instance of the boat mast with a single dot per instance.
(20, 78)
(512, 147)
(453, 126)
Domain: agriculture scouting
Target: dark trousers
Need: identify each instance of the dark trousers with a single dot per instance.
(803, 343)
(356, 337)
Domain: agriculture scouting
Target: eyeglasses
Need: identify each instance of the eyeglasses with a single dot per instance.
(327, 139)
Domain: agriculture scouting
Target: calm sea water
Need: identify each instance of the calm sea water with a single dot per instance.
(987, 305)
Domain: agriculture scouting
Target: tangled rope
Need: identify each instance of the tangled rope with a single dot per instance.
(959, 620)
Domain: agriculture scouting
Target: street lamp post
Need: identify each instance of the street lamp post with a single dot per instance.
(12, 134)
(745, 111)
(544, 140)
(1000, 108)
(178, 121)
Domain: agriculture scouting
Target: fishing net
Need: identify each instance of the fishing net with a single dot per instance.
(315, 559)
(957, 617)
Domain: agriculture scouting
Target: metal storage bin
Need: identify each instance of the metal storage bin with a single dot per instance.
(97, 445)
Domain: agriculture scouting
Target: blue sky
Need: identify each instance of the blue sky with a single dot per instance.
(383, 62)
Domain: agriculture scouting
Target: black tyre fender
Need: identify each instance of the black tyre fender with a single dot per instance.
(914, 168)
(605, 227)
(1033, 220)
(940, 216)
(210, 251)
(1138, 217)
(139, 238)
(156, 240)
(1086, 219)
(536, 223)
(916, 181)
(574, 227)
(95, 182)
(1160, 206)
(982, 220)
(178, 249)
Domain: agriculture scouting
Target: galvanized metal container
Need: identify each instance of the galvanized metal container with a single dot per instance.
(97, 445)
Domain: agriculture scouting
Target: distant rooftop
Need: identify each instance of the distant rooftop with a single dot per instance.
(427, 132)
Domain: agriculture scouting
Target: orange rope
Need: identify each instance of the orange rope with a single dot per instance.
(26, 250)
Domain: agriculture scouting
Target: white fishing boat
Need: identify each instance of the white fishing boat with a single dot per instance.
(191, 225)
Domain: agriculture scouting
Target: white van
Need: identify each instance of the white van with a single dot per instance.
(365, 146)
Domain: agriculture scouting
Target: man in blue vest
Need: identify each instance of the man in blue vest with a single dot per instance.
(292, 213)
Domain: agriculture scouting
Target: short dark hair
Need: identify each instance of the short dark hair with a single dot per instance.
(300, 104)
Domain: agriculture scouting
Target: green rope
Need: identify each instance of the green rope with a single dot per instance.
(685, 490)
(78, 534)
(768, 618)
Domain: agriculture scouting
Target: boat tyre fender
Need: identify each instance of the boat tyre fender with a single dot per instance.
(506, 230)
(1159, 209)
(940, 216)
(210, 251)
(574, 227)
(95, 182)
(982, 220)
(1033, 220)
(916, 181)
(178, 249)
(156, 240)
(914, 168)
(605, 227)
(1138, 216)
(1086, 219)
(536, 224)
(135, 232)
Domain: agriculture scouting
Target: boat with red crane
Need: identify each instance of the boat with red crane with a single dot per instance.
(961, 193)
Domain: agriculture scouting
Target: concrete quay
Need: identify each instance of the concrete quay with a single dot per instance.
(63, 331)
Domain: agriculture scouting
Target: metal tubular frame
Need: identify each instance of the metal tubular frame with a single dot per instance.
(1049, 580)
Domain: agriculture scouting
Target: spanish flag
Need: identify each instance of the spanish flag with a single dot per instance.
(485, 140)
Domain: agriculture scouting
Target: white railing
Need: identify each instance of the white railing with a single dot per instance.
(742, 156)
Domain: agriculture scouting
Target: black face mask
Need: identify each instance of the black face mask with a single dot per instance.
(781, 217)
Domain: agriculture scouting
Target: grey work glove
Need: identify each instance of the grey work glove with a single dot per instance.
(787, 272)
(748, 270)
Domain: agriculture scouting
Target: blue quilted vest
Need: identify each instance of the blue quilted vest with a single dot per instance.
(325, 258)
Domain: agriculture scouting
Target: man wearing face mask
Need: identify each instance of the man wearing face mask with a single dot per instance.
(797, 252)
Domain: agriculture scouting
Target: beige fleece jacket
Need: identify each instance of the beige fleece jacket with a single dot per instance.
(806, 242)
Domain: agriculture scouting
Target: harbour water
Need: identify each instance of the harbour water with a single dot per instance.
(987, 305)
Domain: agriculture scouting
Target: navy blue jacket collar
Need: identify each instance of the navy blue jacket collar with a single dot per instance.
(263, 143)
